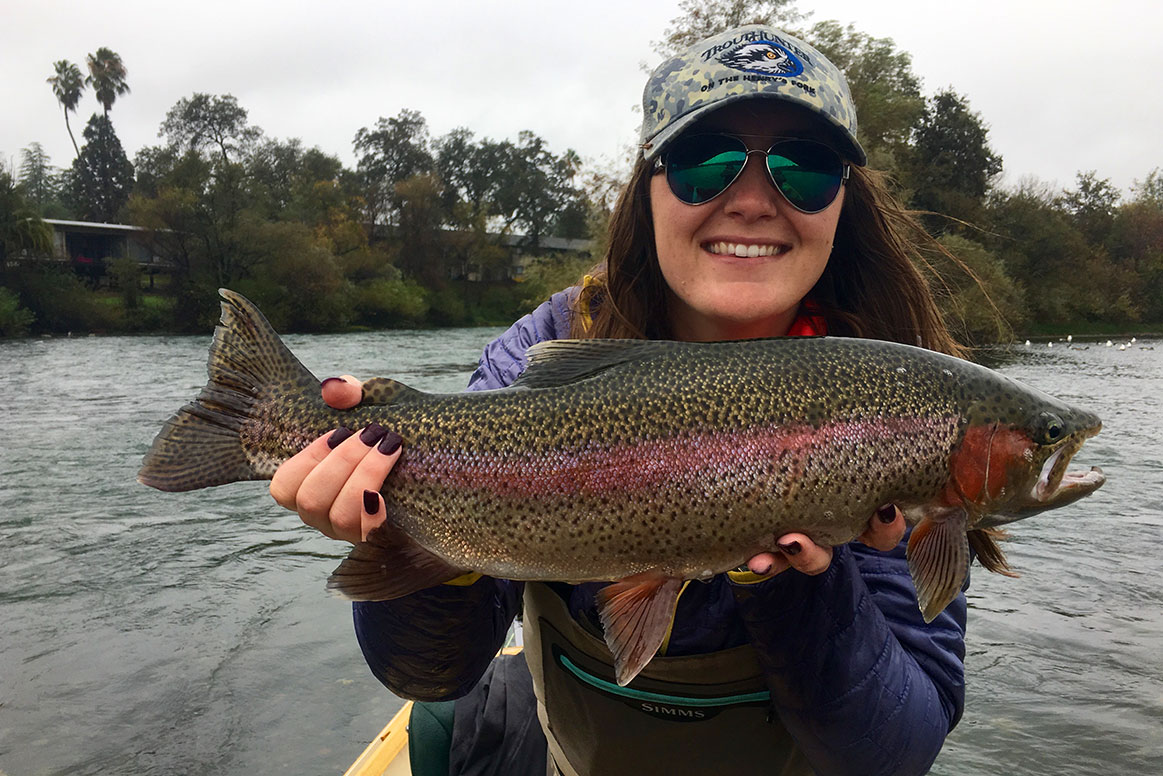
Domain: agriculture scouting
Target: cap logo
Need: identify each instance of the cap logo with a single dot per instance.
(763, 57)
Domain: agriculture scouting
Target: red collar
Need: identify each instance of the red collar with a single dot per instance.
(809, 323)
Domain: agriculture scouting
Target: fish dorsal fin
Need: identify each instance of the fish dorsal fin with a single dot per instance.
(560, 362)
(938, 554)
(636, 614)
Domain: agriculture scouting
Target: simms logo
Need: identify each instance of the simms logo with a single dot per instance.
(671, 712)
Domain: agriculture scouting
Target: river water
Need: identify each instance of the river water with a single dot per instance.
(152, 633)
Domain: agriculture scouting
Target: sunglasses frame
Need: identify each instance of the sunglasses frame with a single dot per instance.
(660, 165)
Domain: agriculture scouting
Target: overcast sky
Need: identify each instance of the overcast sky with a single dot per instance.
(1063, 85)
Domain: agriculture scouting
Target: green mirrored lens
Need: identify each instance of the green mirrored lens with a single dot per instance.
(702, 166)
(808, 174)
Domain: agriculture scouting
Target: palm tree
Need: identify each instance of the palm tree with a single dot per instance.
(68, 85)
(107, 76)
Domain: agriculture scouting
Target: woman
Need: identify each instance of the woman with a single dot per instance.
(749, 214)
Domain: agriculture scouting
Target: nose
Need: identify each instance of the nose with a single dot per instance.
(752, 196)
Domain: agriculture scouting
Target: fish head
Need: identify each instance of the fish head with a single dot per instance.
(1015, 462)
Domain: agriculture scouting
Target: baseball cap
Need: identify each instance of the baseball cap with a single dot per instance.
(751, 62)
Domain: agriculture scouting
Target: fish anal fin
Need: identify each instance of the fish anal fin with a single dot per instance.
(984, 542)
(389, 564)
(938, 555)
(636, 613)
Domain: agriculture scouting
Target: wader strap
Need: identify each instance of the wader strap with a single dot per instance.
(695, 714)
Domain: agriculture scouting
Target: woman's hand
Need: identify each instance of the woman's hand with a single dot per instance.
(334, 482)
(885, 530)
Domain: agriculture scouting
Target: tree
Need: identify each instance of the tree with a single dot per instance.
(107, 77)
(396, 150)
(67, 85)
(702, 18)
(21, 228)
(205, 120)
(37, 176)
(952, 163)
(884, 88)
(102, 176)
(1093, 205)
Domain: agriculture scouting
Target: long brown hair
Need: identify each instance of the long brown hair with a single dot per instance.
(871, 286)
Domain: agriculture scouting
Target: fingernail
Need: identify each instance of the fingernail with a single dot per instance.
(763, 570)
(887, 513)
(372, 434)
(390, 443)
(791, 548)
(331, 380)
(371, 501)
(338, 435)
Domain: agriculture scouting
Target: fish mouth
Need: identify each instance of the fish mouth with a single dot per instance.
(1056, 485)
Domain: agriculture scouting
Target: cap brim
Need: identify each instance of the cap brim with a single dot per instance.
(847, 145)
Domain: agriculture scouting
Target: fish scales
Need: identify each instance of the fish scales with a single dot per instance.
(719, 459)
(651, 462)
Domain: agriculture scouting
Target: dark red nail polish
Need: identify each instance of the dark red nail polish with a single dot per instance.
(372, 434)
(390, 443)
(764, 571)
(791, 548)
(338, 435)
(371, 501)
(887, 513)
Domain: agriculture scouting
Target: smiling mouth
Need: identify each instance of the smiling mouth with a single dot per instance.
(745, 251)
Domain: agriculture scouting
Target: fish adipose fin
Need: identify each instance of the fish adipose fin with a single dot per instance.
(636, 614)
(200, 446)
(560, 362)
(938, 554)
(389, 564)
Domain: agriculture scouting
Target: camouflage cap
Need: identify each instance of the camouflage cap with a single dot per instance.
(755, 61)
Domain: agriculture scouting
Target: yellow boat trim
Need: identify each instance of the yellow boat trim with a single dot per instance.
(387, 754)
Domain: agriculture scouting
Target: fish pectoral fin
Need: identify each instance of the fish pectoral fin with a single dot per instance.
(938, 554)
(636, 613)
(984, 542)
(389, 564)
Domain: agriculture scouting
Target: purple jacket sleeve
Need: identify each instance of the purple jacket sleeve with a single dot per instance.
(857, 677)
(436, 643)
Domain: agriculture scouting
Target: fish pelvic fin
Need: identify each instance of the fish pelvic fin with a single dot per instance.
(389, 564)
(984, 542)
(636, 613)
(938, 555)
(201, 445)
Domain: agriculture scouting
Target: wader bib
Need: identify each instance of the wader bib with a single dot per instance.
(695, 714)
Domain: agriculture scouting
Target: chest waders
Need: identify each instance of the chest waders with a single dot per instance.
(683, 715)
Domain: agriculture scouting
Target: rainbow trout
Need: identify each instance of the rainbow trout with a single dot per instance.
(649, 463)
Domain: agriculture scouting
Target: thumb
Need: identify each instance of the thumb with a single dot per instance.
(342, 393)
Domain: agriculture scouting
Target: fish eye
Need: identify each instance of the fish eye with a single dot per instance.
(1052, 427)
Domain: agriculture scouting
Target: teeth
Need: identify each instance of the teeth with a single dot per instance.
(744, 251)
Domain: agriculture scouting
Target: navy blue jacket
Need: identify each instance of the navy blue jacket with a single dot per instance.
(857, 677)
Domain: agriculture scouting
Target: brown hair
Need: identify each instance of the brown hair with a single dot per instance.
(871, 286)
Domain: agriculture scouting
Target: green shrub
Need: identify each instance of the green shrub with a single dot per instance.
(14, 319)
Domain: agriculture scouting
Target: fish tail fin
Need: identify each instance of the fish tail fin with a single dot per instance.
(201, 444)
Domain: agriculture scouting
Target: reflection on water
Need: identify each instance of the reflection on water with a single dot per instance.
(180, 634)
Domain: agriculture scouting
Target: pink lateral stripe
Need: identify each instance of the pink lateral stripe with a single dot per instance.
(603, 470)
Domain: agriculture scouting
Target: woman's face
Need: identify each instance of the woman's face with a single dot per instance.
(715, 294)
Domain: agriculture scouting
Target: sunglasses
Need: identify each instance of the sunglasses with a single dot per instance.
(700, 167)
